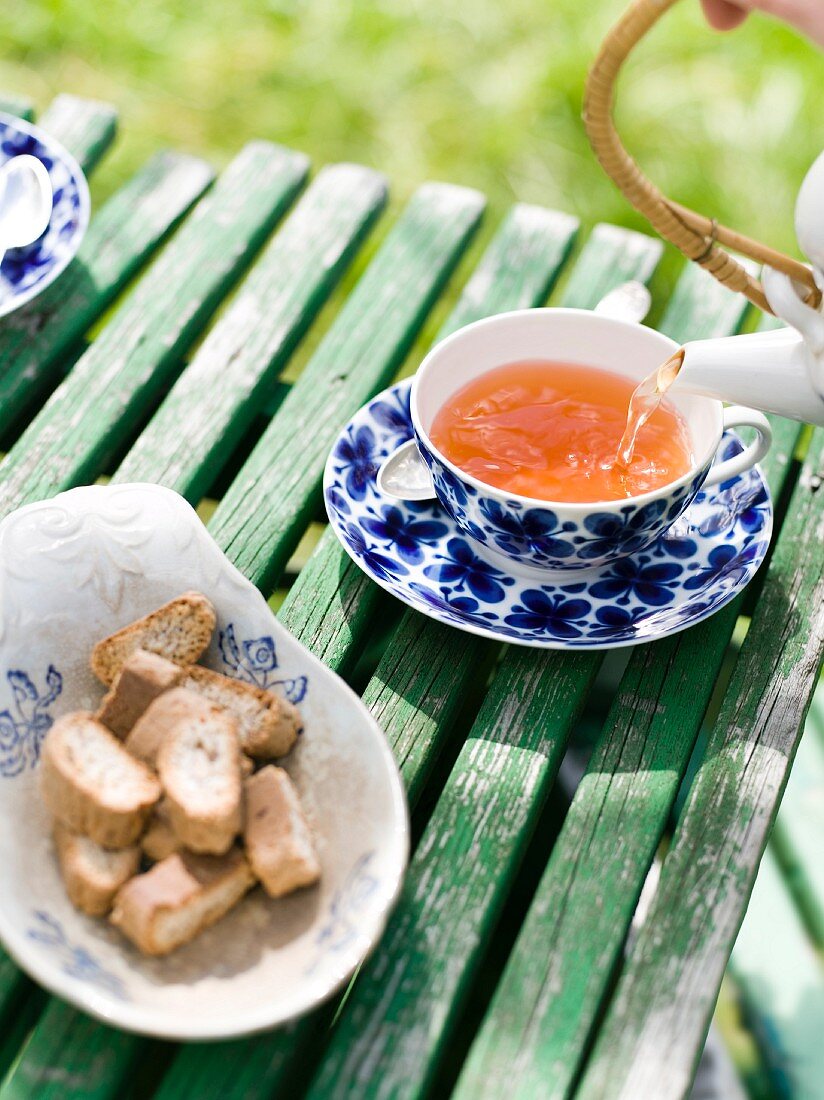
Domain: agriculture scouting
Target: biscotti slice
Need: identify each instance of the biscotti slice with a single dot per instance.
(160, 839)
(266, 724)
(143, 677)
(179, 897)
(161, 717)
(277, 838)
(92, 784)
(198, 762)
(179, 631)
(92, 874)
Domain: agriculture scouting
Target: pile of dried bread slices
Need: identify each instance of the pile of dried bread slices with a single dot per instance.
(172, 772)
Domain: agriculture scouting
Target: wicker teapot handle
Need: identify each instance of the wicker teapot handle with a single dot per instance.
(698, 237)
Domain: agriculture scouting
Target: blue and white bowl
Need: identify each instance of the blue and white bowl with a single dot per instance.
(72, 570)
(555, 537)
(25, 272)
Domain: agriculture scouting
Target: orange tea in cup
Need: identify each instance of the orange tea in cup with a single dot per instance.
(552, 431)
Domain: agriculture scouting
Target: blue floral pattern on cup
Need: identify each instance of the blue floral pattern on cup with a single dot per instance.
(663, 584)
(24, 272)
(537, 536)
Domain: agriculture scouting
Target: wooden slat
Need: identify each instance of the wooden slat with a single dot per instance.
(262, 516)
(139, 350)
(88, 1052)
(85, 126)
(16, 105)
(516, 271)
(781, 983)
(452, 886)
(658, 1019)
(544, 1010)
(35, 340)
(214, 400)
(799, 827)
(439, 221)
(397, 1024)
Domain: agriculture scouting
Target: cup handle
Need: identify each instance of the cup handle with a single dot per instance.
(738, 416)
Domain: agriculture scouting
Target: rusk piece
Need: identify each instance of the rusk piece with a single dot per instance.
(163, 716)
(277, 838)
(179, 897)
(179, 631)
(143, 677)
(267, 725)
(198, 763)
(92, 784)
(160, 839)
(92, 874)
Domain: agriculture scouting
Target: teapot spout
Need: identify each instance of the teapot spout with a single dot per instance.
(765, 370)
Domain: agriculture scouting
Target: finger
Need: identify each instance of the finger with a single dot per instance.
(723, 14)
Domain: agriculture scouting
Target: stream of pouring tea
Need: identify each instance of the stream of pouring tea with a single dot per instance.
(645, 400)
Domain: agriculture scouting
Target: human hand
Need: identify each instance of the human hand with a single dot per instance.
(806, 16)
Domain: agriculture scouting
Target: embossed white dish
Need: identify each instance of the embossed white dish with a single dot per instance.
(71, 571)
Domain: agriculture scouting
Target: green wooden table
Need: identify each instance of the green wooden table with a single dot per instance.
(503, 971)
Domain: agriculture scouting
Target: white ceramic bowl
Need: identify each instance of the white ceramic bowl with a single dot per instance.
(71, 571)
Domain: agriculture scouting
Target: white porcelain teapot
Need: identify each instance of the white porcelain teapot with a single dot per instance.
(781, 370)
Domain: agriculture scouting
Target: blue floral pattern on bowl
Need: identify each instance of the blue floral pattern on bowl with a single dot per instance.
(75, 960)
(342, 924)
(537, 536)
(664, 584)
(25, 272)
(23, 726)
(255, 661)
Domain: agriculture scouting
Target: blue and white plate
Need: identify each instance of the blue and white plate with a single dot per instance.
(416, 552)
(25, 272)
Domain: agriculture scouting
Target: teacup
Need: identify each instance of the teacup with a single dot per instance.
(564, 537)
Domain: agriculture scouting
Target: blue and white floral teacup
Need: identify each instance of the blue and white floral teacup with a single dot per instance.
(558, 536)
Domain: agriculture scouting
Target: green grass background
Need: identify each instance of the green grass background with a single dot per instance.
(473, 91)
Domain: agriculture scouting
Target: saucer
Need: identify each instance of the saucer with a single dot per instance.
(417, 552)
(25, 272)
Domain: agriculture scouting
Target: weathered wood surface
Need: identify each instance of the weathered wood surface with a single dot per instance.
(87, 1053)
(216, 397)
(398, 1020)
(85, 126)
(260, 519)
(114, 382)
(36, 341)
(669, 985)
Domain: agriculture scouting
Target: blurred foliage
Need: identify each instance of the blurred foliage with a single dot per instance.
(473, 91)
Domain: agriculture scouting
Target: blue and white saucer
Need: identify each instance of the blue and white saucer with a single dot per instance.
(416, 552)
(25, 272)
